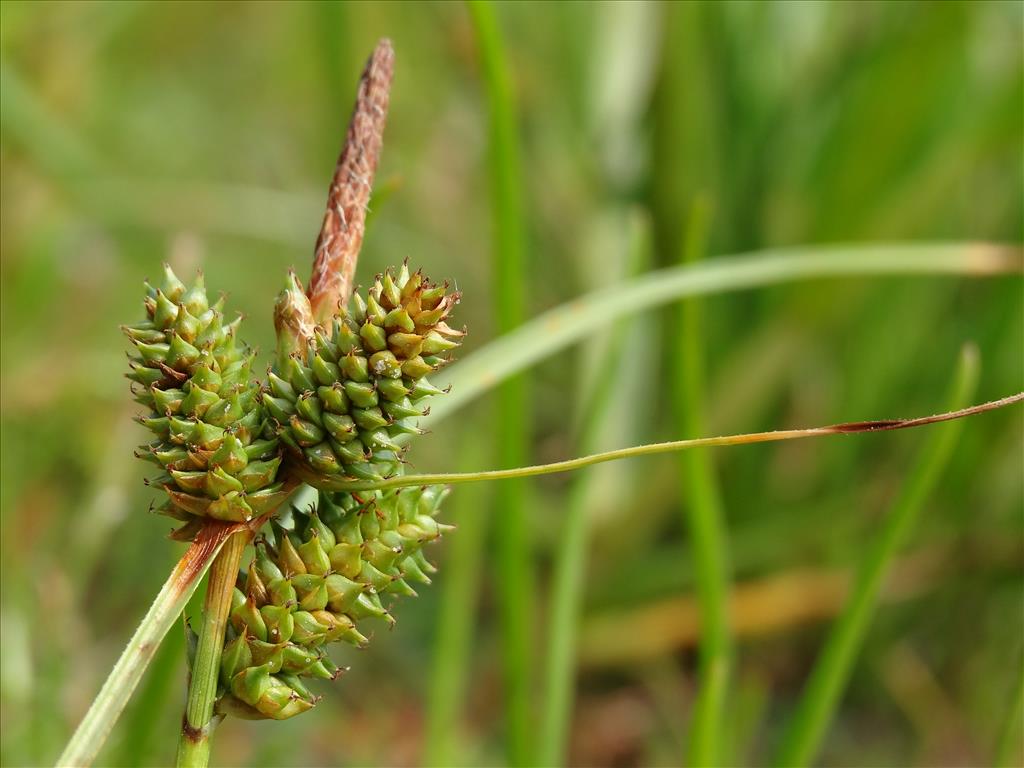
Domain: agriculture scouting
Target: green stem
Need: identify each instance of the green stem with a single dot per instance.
(197, 725)
(460, 592)
(571, 555)
(1009, 745)
(87, 740)
(651, 449)
(704, 521)
(831, 672)
(582, 317)
(512, 556)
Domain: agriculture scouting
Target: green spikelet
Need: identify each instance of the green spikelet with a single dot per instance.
(342, 407)
(323, 573)
(205, 409)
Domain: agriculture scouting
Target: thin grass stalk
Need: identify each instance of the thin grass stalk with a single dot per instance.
(512, 556)
(92, 732)
(654, 449)
(1011, 738)
(575, 320)
(460, 592)
(197, 724)
(571, 555)
(701, 500)
(802, 739)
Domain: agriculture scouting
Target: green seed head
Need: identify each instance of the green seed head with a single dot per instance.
(315, 581)
(205, 410)
(341, 403)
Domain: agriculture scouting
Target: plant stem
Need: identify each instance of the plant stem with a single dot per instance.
(197, 725)
(571, 554)
(580, 318)
(512, 558)
(1009, 745)
(84, 745)
(831, 672)
(652, 449)
(460, 593)
(704, 520)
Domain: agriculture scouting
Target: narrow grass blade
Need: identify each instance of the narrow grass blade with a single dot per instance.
(162, 614)
(571, 555)
(512, 556)
(831, 672)
(460, 592)
(704, 519)
(568, 323)
(145, 718)
(1011, 740)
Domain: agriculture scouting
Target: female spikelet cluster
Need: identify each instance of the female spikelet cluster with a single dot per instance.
(310, 583)
(205, 409)
(342, 404)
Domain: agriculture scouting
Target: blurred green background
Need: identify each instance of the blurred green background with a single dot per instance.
(206, 134)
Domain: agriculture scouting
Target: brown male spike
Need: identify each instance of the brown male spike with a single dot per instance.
(341, 235)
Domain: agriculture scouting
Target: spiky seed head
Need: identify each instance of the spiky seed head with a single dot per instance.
(205, 410)
(315, 582)
(342, 403)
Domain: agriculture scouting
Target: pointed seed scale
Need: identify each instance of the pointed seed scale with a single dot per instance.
(280, 387)
(355, 367)
(341, 428)
(186, 325)
(309, 407)
(301, 378)
(279, 408)
(165, 311)
(357, 308)
(374, 336)
(369, 418)
(205, 377)
(361, 394)
(334, 398)
(400, 409)
(195, 297)
(398, 320)
(374, 311)
(390, 295)
(306, 433)
(434, 343)
(326, 373)
(416, 368)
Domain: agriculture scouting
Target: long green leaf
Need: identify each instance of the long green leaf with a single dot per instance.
(571, 554)
(1011, 739)
(162, 614)
(512, 555)
(704, 518)
(568, 323)
(460, 592)
(831, 672)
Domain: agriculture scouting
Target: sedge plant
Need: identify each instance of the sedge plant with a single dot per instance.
(304, 467)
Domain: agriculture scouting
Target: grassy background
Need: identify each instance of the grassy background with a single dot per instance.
(206, 133)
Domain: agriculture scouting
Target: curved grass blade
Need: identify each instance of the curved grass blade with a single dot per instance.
(81, 750)
(571, 322)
